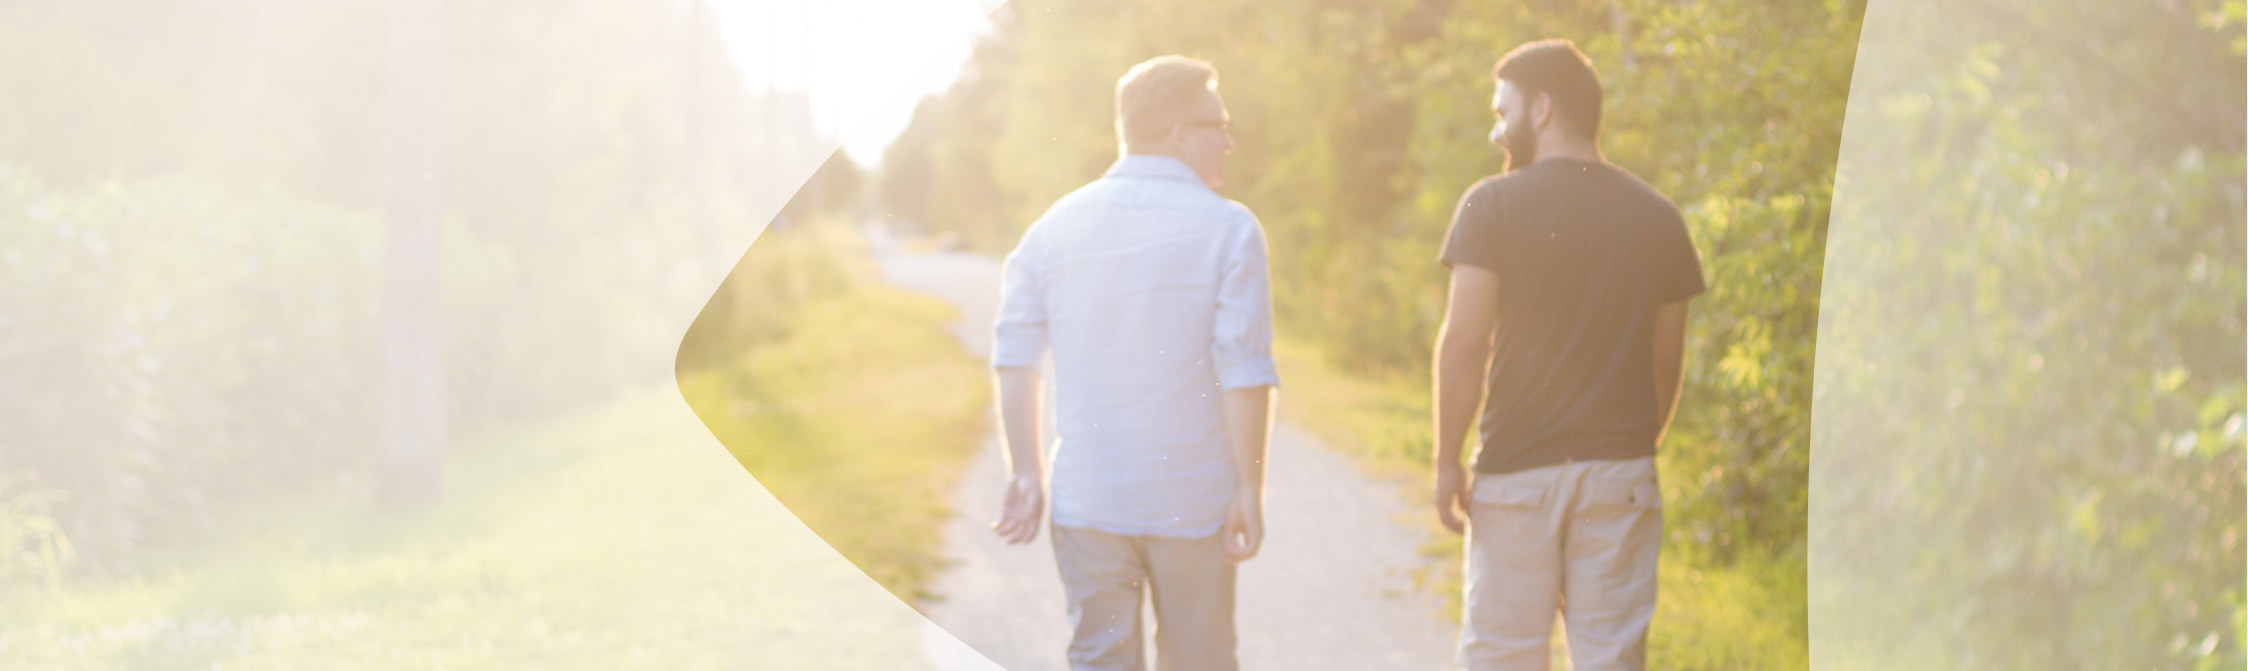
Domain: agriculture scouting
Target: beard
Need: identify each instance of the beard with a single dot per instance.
(1521, 144)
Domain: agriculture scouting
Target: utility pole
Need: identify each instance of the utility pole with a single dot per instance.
(413, 408)
(692, 146)
(694, 141)
(768, 153)
(1619, 22)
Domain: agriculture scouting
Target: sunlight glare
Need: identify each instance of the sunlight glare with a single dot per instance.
(868, 62)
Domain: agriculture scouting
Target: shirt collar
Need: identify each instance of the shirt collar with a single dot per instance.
(1152, 165)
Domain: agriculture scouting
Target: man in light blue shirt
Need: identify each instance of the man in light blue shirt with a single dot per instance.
(1150, 291)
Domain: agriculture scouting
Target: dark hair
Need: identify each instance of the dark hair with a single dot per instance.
(1557, 69)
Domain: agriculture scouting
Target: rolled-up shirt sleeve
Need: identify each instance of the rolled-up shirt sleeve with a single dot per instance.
(1241, 346)
(1019, 336)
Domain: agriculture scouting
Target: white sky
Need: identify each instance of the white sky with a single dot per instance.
(870, 61)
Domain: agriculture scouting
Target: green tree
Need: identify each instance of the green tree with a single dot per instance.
(2030, 375)
(140, 137)
(1359, 124)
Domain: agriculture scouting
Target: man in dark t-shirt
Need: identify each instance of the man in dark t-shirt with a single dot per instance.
(1570, 279)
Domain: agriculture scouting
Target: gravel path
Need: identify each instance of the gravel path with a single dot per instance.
(1331, 589)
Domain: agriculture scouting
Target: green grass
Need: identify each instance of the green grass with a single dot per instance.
(615, 537)
(1747, 614)
(598, 542)
(867, 458)
(1750, 614)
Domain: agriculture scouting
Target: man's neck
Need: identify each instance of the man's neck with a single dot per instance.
(1570, 148)
(1132, 151)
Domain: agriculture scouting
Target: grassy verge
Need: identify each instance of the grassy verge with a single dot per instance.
(600, 541)
(1749, 613)
(612, 537)
(858, 421)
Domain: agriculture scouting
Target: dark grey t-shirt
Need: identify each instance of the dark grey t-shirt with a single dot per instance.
(1584, 253)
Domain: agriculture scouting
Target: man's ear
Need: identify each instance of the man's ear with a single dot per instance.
(1541, 111)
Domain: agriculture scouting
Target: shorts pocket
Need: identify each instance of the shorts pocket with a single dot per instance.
(1508, 495)
(1621, 494)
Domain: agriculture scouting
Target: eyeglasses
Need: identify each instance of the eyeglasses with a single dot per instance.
(1220, 126)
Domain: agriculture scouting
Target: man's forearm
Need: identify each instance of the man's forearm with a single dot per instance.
(1459, 369)
(1018, 418)
(1669, 382)
(1669, 359)
(1248, 428)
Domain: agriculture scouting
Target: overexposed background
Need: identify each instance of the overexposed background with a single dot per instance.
(343, 333)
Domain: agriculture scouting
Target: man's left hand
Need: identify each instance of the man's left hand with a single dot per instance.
(1244, 525)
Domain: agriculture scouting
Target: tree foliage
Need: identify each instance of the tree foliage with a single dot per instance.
(2029, 381)
(2030, 375)
(140, 140)
(1359, 124)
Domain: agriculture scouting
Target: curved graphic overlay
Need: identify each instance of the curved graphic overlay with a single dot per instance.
(342, 335)
(2027, 441)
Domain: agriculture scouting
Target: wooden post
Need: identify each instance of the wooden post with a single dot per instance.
(413, 403)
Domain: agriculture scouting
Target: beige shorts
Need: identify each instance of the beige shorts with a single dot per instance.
(1105, 576)
(1581, 538)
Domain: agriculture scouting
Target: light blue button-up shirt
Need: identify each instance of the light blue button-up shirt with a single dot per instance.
(1151, 292)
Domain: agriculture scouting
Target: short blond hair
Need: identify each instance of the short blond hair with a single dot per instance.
(1158, 94)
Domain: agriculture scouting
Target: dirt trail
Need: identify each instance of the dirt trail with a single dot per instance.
(1331, 589)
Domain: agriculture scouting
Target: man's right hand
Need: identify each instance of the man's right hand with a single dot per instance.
(1452, 497)
(1020, 515)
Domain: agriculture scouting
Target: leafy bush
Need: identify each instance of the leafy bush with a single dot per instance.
(32, 545)
(191, 230)
(783, 273)
(160, 385)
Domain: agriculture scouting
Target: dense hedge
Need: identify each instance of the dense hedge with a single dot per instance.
(191, 214)
(142, 386)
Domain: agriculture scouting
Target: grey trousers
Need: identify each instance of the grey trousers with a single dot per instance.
(1104, 577)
